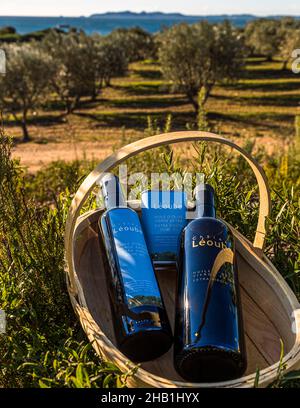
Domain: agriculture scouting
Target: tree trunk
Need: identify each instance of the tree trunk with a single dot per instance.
(100, 87)
(76, 102)
(26, 137)
(194, 102)
(284, 66)
(69, 107)
(94, 92)
(207, 92)
(108, 81)
(94, 96)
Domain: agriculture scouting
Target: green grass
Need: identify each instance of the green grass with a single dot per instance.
(7, 38)
(15, 37)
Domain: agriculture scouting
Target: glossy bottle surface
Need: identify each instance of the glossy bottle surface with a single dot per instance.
(141, 324)
(209, 339)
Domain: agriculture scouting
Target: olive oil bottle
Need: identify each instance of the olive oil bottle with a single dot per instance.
(209, 338)
(141, 325)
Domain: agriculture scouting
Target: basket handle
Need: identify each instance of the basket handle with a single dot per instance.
(148, 143)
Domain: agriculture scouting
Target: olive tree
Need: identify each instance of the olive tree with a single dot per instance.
(290, 43)
(137, 43)
(7, 30)
(195, 57)
(111, 59)
(290, 39)
(263, 37)
(73, 57)
(25, 85)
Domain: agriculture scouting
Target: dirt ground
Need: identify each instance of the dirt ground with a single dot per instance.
(35, 156)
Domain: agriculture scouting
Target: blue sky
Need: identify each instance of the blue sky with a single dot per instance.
(196, 7)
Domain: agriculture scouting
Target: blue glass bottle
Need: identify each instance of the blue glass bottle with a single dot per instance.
(209, 338)
(141, 325)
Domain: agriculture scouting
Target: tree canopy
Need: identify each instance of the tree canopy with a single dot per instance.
(26, 82)
(197, 56)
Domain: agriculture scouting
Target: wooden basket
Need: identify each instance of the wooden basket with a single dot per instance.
(271, 310)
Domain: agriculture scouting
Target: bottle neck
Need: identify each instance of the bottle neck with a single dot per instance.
(205, 201)
(203, 210)
(112, 192)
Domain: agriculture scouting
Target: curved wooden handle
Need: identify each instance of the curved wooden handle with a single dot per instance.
(148, 143)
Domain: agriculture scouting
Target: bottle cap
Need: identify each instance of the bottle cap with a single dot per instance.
(112, 192)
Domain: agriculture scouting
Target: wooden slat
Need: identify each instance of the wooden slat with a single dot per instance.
(91, 275)
(266, 298)
(260, 329)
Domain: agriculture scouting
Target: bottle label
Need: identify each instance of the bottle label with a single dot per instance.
(224, 276)
(140, 285)
(207, 250)
(202, 242)
(163, 218)
(210, 287)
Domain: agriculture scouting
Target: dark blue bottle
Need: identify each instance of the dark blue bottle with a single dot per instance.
(141, 325)
(209, 338)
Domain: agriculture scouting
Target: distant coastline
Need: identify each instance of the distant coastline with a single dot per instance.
(143, 14)
(161, 14)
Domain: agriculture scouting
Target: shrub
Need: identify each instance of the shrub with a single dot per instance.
(44, 345)
(7, 30)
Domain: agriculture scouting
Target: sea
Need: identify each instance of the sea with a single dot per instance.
(104, 25)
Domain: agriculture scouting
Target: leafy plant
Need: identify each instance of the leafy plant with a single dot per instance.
(75, 365)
